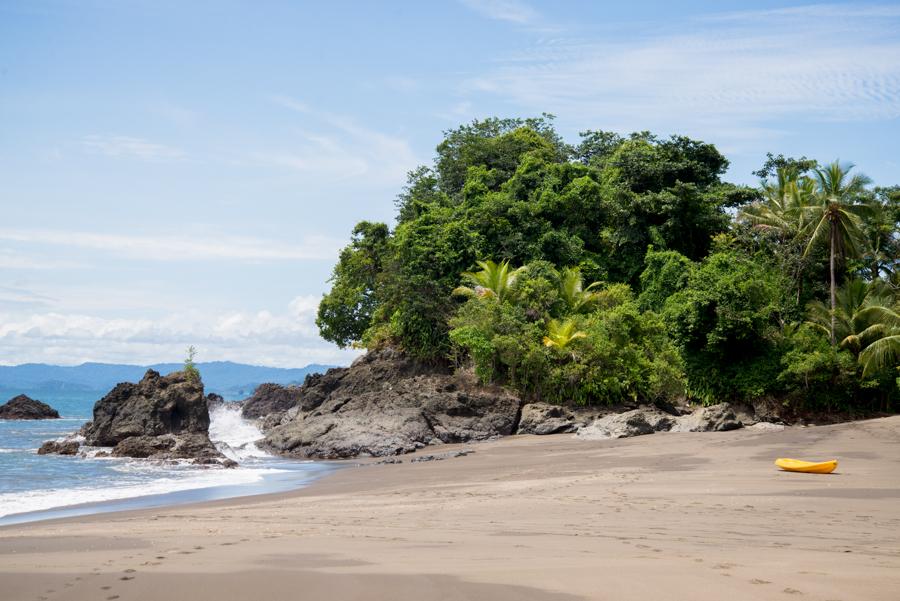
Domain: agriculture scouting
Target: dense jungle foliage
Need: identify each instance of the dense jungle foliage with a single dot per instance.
(624, 268)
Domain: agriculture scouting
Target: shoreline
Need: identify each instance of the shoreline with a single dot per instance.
(702, 515)
(279, 479)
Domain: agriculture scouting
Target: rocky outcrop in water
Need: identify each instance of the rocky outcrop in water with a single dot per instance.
(386, 404)
(156, 405)
(53, 447)
(160, 417)
(24, 407)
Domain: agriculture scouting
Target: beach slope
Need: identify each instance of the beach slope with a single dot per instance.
(693, 516)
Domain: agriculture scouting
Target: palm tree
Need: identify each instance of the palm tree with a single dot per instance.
(494, 280)
(561, 333)
(836, 217)
(862, 315)
(782, 209)
(783, 214)
(882, 353)
(866, 322)
(571, 290)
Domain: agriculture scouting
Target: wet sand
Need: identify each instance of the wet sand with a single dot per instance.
(669, 516)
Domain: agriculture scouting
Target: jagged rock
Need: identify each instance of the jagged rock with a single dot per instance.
(167, 446)
(142, 447)
(214, 400)
(269, 399)
(543, 418)
(24, 407)
(156, 405)
(52, 447)
(636, 422)
(717, 418)
(386, 404)
(157, 418)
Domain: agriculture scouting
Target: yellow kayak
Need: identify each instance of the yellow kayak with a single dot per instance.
(795, 465)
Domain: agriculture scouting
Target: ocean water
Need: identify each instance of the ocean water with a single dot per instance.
(36, 486)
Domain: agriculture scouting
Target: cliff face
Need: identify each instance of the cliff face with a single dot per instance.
(385, 404)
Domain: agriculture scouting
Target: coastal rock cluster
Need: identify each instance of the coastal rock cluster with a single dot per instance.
(385, 404)
(24, 407)
(160, 417)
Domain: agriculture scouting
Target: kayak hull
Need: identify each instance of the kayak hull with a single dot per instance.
(807, 467)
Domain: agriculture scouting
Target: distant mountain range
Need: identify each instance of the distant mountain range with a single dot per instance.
(231, 380)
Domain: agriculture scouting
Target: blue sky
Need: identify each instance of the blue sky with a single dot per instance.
(177, 173)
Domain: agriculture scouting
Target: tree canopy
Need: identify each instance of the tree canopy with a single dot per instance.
(621, 267)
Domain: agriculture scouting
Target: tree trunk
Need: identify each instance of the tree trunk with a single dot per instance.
(833, 286)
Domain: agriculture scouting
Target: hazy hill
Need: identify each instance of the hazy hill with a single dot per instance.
(232, 380)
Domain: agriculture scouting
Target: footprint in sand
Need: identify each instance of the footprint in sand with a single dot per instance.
(759, 581)
(792, 591)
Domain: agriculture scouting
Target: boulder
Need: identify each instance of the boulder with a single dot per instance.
(53, 447)
(543, 418)
(717, 418)
(270, 398)
(385, 404)
(636, 422)
(156, 405)
(168, 446)
(23, 407)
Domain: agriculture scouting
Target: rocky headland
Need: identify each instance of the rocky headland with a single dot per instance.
(385, 404)
(24, 407)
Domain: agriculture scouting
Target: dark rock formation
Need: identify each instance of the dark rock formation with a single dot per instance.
(213, 400)
(157, 418)
(385, 404)
(156, 405)
(167, 446)
(23, 407)
(271, 398)
(52, 447)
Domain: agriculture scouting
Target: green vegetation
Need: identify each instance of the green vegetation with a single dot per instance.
(190, 368)
(624, 268)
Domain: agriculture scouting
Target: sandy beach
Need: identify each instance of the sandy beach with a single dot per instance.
(697, 517)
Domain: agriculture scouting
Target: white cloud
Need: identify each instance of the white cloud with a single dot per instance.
(10, 259)
(343, 149)
(130, 147)
(287, 338)
(503, 10)
(181, 248)
(738, 70)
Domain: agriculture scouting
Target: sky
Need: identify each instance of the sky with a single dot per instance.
(185, 173)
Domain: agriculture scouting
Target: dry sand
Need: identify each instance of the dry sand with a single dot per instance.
(670, 516)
